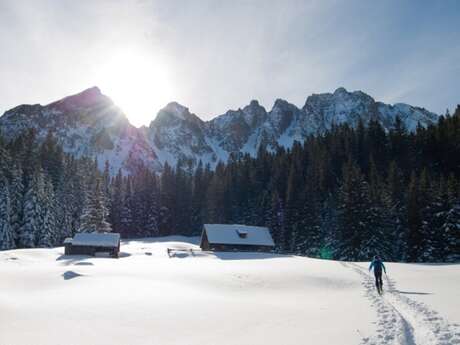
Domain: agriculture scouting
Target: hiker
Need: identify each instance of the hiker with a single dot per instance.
(378, 265)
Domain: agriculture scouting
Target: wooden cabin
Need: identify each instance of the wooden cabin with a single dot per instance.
(94, 244)
(236, 237)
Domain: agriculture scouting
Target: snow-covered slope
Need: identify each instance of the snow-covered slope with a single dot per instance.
(177, 134)
(85, 124)
(201, 298)
(89, 123)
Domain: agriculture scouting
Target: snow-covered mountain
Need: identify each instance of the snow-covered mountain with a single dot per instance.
(89, 123)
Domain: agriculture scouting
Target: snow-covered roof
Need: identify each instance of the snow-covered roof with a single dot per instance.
(238, 234)
(96, 239)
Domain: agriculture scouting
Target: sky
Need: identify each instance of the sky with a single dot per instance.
(212, 56)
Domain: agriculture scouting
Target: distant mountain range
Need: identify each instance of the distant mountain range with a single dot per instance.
(89, 123)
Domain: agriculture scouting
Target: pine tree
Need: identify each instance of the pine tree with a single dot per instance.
(355, 216)
(414, 237)
(198, 199)
(432, 202)
(167, 201)
(116, 201)
(451, 229)
(66, 203)
(330, 228)
(183, 197)
(32, 210)
(6, 231)
(216, 196)
(47, 233)
(16, 194)
(152, 210)
(94, 217)
(294, 206)
(126, 214)
(51, 159)
(313, 237)
(394, 200)
(275, 221)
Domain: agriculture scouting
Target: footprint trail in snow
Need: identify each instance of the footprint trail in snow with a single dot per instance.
(403, 321)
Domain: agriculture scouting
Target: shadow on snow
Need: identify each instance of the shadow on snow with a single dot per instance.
(70, 275)
(80, 259)
(413, 292)
(248, 255)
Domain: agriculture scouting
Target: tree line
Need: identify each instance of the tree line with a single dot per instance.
(349, 193)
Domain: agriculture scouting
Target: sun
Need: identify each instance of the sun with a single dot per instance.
(140, 85)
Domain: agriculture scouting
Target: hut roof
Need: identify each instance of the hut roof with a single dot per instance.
(96, 239)
(238, 234)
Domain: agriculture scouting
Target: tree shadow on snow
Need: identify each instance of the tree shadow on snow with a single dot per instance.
(433, 263)
(413, 292)
(70, 275)
(73, 259)
(84, 263)
(80, 259)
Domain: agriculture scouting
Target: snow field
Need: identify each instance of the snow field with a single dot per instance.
(146, 297)
(409, 320)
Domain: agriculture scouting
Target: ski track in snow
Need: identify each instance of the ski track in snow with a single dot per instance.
(403, 321)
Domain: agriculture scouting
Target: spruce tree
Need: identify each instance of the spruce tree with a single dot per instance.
(16, 195)
(167, 201)
(95, 213)
(6, 230)
(126, 215)
(414, 222)
(47, 233)
(32, 210)
(275, 221)
(451, 230)
(355, 216)
(199, 190)
(116, 201)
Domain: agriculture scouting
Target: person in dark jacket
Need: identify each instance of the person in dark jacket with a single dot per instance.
(378, 266)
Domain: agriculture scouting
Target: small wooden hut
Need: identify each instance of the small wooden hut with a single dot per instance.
(95, 244)
(236, 237)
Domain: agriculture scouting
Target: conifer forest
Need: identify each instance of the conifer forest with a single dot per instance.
(346, 194)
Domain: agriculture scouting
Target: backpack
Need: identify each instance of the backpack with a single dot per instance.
(378, 265)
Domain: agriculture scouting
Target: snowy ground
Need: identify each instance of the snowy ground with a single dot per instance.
(145, 297)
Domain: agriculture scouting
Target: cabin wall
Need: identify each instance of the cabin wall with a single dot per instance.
(67, 248)
(204, 244)
(90, 250)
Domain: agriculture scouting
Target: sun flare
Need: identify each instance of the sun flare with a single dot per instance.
(138, 84)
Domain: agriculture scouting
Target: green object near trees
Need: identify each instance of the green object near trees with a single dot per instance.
(325, 253)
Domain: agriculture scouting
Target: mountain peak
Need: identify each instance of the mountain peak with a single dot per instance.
(340, 90)
(252, 108)
(94, 90)
(279, 103)
(86, 98)
(176, 133)
(174, 112)
(176, 109)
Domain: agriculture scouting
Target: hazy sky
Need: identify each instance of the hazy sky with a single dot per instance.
(213, 55)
